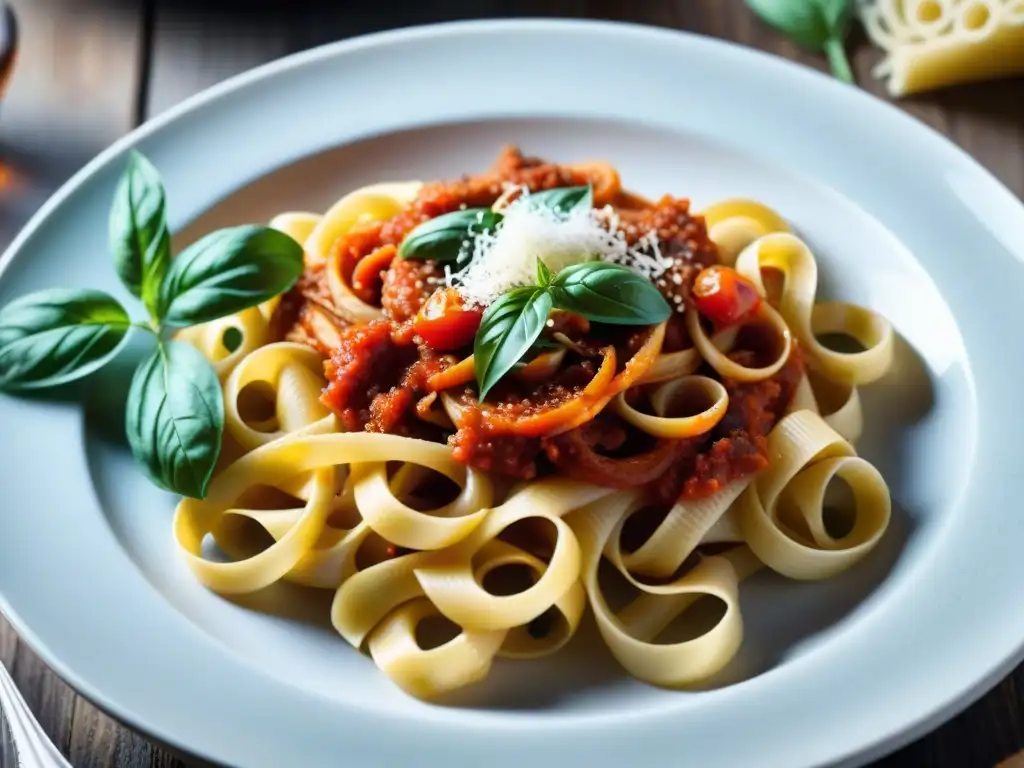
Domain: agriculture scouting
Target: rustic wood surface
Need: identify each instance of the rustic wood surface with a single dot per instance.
(90, 70)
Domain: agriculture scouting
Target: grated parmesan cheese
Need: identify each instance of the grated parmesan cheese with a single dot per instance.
(507, 258)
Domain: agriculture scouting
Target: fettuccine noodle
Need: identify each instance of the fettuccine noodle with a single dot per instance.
(359, 513)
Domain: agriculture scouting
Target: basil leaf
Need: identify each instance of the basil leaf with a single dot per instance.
(837, 13)
(609, 293)
(55, 336)
(228, 271)
(816, 24)
(445, 237)
(139, 238)
(800, 20)
(508, 329)
(543, 274)
(565, 199)
(174, 418)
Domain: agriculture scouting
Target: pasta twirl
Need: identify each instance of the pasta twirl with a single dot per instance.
(377, 470)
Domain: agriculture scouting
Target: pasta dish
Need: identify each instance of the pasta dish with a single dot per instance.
(486, 397)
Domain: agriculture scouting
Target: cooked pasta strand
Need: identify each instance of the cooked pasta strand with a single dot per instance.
(360, 512)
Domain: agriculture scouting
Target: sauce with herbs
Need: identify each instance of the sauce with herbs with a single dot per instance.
(380, 373)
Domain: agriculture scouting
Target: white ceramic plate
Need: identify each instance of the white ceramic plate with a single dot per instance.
(832, 672)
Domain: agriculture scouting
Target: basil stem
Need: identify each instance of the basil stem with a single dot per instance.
(820, 25)
(836, 53)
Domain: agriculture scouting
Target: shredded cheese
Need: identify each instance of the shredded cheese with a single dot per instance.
(507, 257)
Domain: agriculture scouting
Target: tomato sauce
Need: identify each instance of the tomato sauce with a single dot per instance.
(375, 377)
(484, 441)
(378, 372)
(407, 286)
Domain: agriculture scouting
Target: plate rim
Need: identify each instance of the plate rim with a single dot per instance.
(899, 733)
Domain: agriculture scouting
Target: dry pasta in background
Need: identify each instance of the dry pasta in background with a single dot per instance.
(930, 44)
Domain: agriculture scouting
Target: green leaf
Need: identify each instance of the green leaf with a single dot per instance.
(508, 329)
(543, 274)
(58, 335)
(609, 293)
(837, 13)
(565, 199)
(174, 418)
(446, 237)
(816, 24)
(139, 238)
(800, 20)
(228, 271)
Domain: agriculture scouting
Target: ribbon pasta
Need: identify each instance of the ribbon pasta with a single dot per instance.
(342, 511)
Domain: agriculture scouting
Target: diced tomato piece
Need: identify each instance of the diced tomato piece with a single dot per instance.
(724, 296)
(445, 322)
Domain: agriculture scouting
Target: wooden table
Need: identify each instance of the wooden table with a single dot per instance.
(90, 71)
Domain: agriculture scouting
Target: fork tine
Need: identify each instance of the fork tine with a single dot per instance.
(29, 741)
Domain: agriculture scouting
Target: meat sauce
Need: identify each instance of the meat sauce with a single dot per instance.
(484, 442)
(375, 377)
(378, 372)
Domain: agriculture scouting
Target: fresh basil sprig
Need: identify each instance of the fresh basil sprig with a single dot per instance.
(447, 238)
(821, 25)
(175, 412)
(598, 290)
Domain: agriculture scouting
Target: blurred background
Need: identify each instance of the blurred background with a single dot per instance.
(85, 72)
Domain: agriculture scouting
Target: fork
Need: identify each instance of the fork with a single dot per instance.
(21, 734)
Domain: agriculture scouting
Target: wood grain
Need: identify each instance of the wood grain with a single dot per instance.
(73, 92)
(93, 55)
(8, 644)
(100, 742)
(194, 50)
